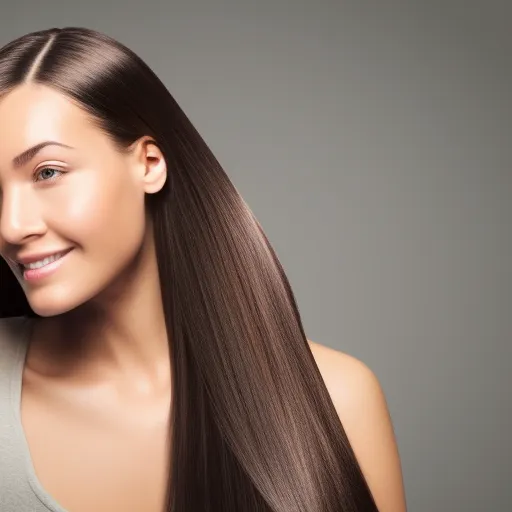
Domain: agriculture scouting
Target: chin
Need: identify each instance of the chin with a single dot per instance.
(46, 302)
(48, 310)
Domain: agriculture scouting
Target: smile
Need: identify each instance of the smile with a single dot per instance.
(44, 262)
(45, 267)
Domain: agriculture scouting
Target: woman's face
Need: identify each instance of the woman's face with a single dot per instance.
(86, 198)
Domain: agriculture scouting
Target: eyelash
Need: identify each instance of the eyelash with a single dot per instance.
(46, 169)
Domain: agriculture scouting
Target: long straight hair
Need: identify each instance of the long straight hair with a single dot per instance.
(252, 425)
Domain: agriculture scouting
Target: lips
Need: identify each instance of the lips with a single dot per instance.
(29, 260)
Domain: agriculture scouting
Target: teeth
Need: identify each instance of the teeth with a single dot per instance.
(42, 263)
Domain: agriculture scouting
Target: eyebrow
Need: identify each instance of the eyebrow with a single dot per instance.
(28, 154)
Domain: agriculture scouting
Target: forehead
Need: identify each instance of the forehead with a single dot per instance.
(32, 113)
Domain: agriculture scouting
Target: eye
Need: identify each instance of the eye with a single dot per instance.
(47, 173)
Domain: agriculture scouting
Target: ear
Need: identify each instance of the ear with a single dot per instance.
(150, 161)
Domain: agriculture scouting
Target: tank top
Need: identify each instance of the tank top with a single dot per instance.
(20, 489)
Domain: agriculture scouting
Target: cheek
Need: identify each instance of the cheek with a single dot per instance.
(106, 216)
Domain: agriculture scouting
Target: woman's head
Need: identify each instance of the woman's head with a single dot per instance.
(114, 122)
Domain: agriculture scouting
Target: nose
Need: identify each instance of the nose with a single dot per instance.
(20, 217)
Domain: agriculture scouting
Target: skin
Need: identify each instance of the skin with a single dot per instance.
(104, 398)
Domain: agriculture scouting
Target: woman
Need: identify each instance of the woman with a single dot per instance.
(154, 357)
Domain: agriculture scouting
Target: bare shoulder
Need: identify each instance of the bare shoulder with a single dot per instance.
(362, 407)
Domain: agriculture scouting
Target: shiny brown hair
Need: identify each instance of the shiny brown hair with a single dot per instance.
(253, 427)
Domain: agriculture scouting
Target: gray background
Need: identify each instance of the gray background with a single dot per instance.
(373, 142)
